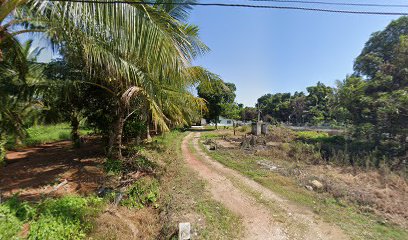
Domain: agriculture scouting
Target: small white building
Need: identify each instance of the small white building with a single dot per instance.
(223, 122)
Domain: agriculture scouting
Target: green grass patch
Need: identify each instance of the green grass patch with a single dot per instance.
(311, 135)
(219, 220)
(46, 133)
(69, 217)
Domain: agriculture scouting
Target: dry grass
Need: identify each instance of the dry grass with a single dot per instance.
(123, 223)
(368, 204)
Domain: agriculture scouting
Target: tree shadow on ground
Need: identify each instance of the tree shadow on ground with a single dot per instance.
(34, 172)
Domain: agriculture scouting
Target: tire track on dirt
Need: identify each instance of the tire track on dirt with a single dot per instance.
(258, 220)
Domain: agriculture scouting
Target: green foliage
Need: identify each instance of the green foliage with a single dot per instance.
(22, 210)
(299, 108)
(113, 166)
(305, 152)
(21, 86)
(218, 95)
(372, 103)
(134, 127)
(144, 192)
(64, 218)
(230, 110)
(50, 227)
(47, 133)
(69, 217)
(10, 225)
(249, 114)
(244, 128)
(3, 151)
(311, 135)
(275, 105)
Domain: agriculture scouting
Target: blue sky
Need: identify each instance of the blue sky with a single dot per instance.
(268, 51)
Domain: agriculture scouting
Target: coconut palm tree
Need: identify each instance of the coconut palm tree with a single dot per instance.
(20, 87)
(134, 50)
(139, 51)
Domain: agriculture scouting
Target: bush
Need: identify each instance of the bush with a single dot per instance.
(113, 166)
(22, 210)
(134, 127)
(305, 152)
(3, 151)
(281, 134)
(55, 228)
(244, 128)
(10, 225)
(64, 218)
(144, 192)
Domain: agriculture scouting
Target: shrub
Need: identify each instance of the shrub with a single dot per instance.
(144, 164)
(305, 152)
(55, 228)
(22, 210)
(144, 192)
(113, 166)
(3, 151)
(10, 225)
(64, 218)
(281, 134)
(244, 128)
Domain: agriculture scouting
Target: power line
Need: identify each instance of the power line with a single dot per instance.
(335, 3)
(244, 6)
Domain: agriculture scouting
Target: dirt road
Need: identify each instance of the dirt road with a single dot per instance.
(252, 202)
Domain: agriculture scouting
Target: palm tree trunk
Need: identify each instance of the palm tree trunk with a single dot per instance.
(148, 137)
(115, 139)
(75, 130)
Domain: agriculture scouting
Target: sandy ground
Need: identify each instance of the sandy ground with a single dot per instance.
(258, 220)
(36, 171)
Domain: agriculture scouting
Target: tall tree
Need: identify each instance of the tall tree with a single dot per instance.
(138, 51)
(217, 94)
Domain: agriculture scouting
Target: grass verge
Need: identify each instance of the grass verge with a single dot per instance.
(184, 197)
(356, 223)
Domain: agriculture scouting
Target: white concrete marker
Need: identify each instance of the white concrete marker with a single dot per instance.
(184, 231)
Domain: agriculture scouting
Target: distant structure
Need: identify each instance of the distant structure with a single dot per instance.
(223, 122)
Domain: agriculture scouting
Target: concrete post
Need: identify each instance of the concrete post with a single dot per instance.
(184, 231)
(256, 128)
(265, 128)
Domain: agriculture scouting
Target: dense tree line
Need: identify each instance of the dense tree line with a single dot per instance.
(299, 108)
(372, 102)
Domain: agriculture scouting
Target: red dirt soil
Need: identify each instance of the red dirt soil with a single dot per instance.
(36, 171)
